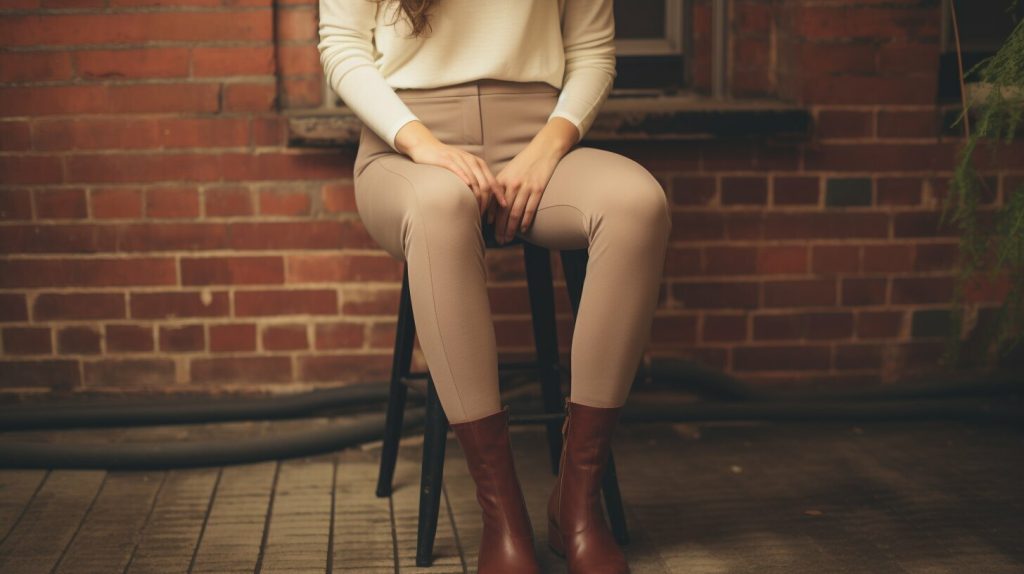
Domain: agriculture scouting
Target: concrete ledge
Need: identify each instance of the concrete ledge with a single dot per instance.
(663, 118)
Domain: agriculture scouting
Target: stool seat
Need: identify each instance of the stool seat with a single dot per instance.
(540, 285)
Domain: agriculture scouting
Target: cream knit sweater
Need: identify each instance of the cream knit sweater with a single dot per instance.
(566, 43)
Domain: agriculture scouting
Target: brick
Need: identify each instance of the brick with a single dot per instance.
(718, 328)
(744, 191)
(781, 259)
(34, 67)
(800, 293)
(340, 335)
(868, 22)
(182, 338)
(796, 191)
(697, 226)
(173, 304)
(716, 295)
(171, 237)
(78, 306)
(285, 338)
(342, 268)
(888, 258)
(228, 202)
(289, 235)
(116, 203)
(858, 357)
(832, 259)
(922, 290)
(909, 124)
(172, 203)
(812, 326)
(833, 225)
(730, 260)
(259, 97)
(231, 338)
(203, 132)
(291, 302)
(371, 301)
(47, 374)
(847, 192)
(87, 272)
(681, 262)
(15, 204)
(27, 169)
(15, 135)
(170, 62)
(284, 203)
(78, 341)
(13, 307)
(137, 27)
(693, 190)
(899, 191)
(129, 338)
(876, 157)
(338, 198)
(232, 271)
(665, 330)
(129, 372)
(863, 291)
(258, 369)
(333, 368)
(818, 59)
(108, 99)
(781, 358)
(61, 204)
(876, 324)
(935, 256)
(930, 323)
(233, 60)
(27, 341)
(845, 124)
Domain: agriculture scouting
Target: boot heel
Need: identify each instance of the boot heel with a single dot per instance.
(555, 539)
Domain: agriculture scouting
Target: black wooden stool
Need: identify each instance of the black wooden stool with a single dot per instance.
(540, 285)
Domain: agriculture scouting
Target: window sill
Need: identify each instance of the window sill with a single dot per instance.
(622, 118)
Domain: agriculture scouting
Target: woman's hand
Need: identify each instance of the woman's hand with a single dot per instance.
(416, 141)
(526, 176)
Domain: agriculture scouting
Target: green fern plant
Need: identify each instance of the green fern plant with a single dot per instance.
(994, 245)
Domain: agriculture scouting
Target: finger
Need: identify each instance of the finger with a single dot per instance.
(455, 168)
(496, 187)
(503, 215)
(530, 211)
(473, 183)
(485, 186)
(515, 213)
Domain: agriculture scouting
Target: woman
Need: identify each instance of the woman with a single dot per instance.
(473, 110)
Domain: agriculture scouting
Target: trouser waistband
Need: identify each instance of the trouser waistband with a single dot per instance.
(478, 87)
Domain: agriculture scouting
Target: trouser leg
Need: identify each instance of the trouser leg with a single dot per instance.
(426, 216)
(615, 208)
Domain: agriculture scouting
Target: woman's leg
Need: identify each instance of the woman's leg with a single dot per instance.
(617, 209)
(425, 215)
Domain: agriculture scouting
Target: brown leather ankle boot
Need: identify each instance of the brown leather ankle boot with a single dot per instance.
(577, 529)
(506, 545)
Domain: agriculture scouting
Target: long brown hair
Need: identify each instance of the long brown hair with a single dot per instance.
(416, 11)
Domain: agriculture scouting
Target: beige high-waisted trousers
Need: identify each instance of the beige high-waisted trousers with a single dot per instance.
(427, 217)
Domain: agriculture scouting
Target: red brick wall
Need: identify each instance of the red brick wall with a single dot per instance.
(159, 235)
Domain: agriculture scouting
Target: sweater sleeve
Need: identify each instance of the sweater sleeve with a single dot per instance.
(346, 53)
(588, 35)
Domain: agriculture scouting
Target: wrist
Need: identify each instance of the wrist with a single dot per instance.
(412, 135)
(557, 136)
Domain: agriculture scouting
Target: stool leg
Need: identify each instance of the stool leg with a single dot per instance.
(400, 364)
(574, 266)
(435, 433)
(540, 286)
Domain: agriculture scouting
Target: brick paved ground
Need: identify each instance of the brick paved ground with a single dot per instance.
(878, 497)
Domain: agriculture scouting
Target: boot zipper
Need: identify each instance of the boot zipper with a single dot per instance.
(561, 467)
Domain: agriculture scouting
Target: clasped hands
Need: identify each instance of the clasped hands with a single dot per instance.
(510, 197)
